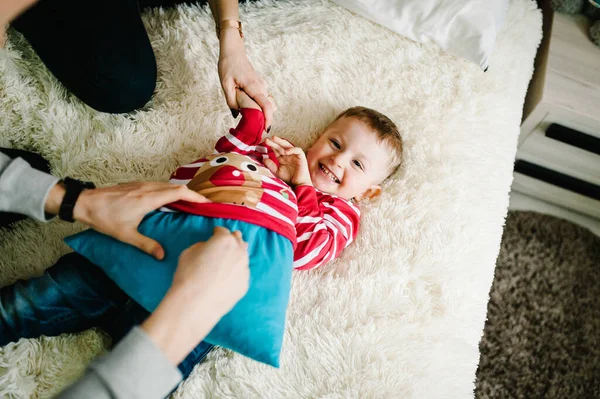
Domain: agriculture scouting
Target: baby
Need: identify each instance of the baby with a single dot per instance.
(294, 210)
(308, 198)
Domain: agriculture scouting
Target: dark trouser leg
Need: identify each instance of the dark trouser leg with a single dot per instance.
(98, 49)
(36, 161)
(71, 296)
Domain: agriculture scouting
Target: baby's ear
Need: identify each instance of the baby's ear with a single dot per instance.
(370, 193)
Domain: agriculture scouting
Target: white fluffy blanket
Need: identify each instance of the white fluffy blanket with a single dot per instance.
(401, 313)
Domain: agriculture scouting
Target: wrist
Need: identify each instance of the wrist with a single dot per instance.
(81, 211)
(230, 40)
(55, 198)
(302, 182)
(178, 313)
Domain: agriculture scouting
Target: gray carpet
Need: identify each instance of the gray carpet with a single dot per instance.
(542, 335)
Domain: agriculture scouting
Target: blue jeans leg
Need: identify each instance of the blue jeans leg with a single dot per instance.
(71, 296)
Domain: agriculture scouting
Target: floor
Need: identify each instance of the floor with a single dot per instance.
(521, 202)
(541, 334)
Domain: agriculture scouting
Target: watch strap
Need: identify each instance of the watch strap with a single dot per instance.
(73, 189)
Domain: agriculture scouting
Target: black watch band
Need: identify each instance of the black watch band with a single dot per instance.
(72, 190)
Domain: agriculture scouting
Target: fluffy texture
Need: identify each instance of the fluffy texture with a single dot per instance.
(541, 336)
(401, 313)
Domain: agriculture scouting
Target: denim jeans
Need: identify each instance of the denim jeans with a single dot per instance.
(72, 296)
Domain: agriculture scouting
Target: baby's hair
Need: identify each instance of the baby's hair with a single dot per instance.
(386, 131)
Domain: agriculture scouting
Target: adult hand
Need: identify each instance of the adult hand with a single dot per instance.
(118, 210)
(217, 267)
(236, 71)
(210, 279)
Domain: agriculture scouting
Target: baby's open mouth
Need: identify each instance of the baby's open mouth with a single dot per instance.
(329, 173)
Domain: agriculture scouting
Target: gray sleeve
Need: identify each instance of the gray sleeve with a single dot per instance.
(23, 189)
(136, 368)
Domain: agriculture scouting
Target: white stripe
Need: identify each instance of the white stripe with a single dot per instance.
(353, 207)
(270, 211)
(311, 255)
(180, 181)
(165, 209)
(334, 225)
(274, 182)
(308, 219)
(306, 236)
(239, 144)
(281, 198)
(263, 149)
(193, 165)
(341, 216)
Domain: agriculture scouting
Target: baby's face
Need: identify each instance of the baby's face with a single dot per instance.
(348, 160)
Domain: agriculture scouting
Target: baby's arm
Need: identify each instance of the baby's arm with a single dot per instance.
(244, 139)
(325, 226)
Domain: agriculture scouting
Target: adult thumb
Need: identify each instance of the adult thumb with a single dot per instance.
(146, 244)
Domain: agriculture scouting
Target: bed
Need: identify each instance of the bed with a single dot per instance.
(401, 313)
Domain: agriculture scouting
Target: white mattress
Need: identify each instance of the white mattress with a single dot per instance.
(401, 313)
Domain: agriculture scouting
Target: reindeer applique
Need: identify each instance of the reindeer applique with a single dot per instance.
(231, 179)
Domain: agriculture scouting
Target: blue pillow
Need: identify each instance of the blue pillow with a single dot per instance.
(254, 327)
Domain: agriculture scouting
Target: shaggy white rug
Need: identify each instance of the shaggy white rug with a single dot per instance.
(402, 312)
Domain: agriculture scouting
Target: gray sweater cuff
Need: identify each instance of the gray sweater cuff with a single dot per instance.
(24, 189)
(137, 368)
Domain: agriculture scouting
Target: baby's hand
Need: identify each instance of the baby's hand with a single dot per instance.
(244, 100)
(293, 167)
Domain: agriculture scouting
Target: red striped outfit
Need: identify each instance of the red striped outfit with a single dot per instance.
(320, 225)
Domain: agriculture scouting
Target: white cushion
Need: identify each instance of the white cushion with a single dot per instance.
(466, 28)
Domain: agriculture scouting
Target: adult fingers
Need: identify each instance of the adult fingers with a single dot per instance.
(229, 86)
(192, 196)
(220, 231)
(238, 236)
(143, 243)
(267, 107)
(172, 193)
(258, 92)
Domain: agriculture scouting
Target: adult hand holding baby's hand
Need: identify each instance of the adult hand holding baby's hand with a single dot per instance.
(236, 71)
(118, 210)
(293, 167)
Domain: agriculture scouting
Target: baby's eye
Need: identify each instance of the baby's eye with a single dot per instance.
(335, 144)
(357, 163)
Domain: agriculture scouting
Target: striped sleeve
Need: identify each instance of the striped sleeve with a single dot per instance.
(246, 137)
(325, 226)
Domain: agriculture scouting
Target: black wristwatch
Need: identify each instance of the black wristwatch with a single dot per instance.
(72, 190)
